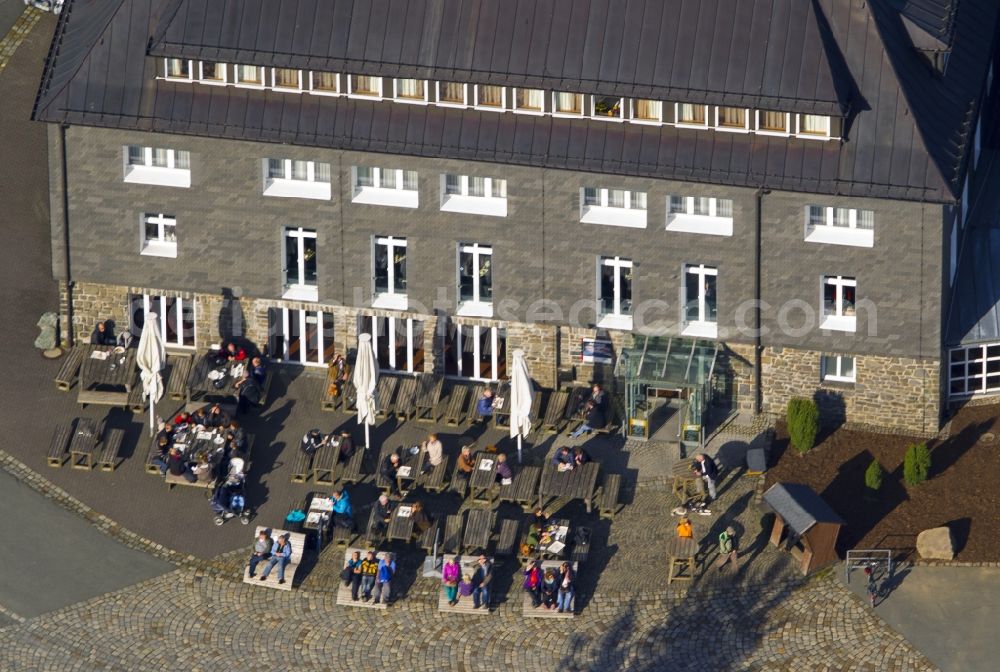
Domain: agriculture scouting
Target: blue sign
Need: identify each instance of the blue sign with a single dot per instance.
(597, 351)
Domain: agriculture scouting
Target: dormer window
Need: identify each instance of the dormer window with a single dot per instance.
(570, 104)
(608, 107)
(178, 68)
(287, 79)
(692, 115)
(213, 73)
(649, 111)
(325, 82)
(249, 75)
(452, 93)
(411, 90)
(772, 122)
(816, 125)
(731, 118)
(490, 97)
(529, 100)
(363, 85)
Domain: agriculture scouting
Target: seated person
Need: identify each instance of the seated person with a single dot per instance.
(345, 449)
(369, 570)
(312, 441)
(684, 529)
(465, 462)
(217, 417)
(164, 444)
(563, 459)
(351, 568)
(203, 470)
(581, 456)
(550, 589)
(182, 420)
(281, 554)
(248, 393)
(564, 600)
(389, 468)
(177, 466)
(258, 370)
(541, 518)
(533, 583)
(166, 431)
(532, 536)
(236, 438)
(261, 551)
(421, 519)
(433, 453)
(484, 407)
(200, 417)
(595, 412)
(104, 334)
(233, 352)
(504, 472)
(465, 587)
(383, 513)
(343, 513)
(340, 379)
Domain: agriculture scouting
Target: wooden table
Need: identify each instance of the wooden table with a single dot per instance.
(559, 533)
(200, 386)
(409, 468)
(82, 445)
(478, 529)
(523, 489)
(685, 484)
(483, 477)
(195, 445)
(680, 556)
(401, 523)
(319, 513)
(103, 368)
(577, 483)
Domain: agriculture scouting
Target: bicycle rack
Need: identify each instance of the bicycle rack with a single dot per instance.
(861, 557)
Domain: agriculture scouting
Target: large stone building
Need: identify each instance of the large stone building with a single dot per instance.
(781, 186)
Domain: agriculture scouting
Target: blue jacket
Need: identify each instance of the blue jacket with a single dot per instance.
(386, 570)
(566, 458)
(484, 406)
(342, 506)
(278, 552)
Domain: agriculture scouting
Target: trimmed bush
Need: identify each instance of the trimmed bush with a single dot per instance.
(873, 476)
(916, 463)
(803, 423)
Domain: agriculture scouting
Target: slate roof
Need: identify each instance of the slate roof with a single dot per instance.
(907, 132)
(799, 506)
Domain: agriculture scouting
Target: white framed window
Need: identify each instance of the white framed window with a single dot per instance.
(813, 126)
(175, 316)
(454, 94)
(213, 73)
(474, 195)
(839, 294)
(389, 272)
(700, 214)
(179, 69)
(614, 293)
(974, 370)
(385, 186)
(567, 104)
(300, 282)
(398, 342)
(364, 86)
(157, 165)
(294, 178)
(607, 107)
(773, 123)
(324, 83)
(300, 336)
(837, 368)
(839, 226)
(700, 316)
(734, 119)
(409, 90)
(250, 76)
(613, 207)
(472, 351)
(159, 235)
(286, 79)
(645, 111)
(475, 280)
(690, 114)
(529, 101)
(490, 97)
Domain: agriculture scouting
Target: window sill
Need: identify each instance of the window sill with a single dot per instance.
(596, 214)
(620, 322)
(839, 323)
(396, 198)
(163, 177)
(701, 329)
(301, 293)
(390, 301)
(711, 226)
(297, 189)
(835, 384)
(835, 235)
(475, 309)
(475, 205)
(168, 250)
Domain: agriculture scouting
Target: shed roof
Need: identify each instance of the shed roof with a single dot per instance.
(799, 506)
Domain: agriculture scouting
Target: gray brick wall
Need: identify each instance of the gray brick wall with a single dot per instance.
(229, 235)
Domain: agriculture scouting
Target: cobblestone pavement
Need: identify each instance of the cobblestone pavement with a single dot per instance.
(20, 30)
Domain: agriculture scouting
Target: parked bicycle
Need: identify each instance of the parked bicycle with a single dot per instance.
(874, 586)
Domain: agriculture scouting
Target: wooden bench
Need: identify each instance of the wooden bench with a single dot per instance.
(426, 540)
(180, 370)
(82, 445)
(478, 528)
(384, 394)
(607, 497)
(468, 565)
(380, 480)
(523, 489)
(475, 392)
(351, 471)
(101, 398)
(135, 402)
(507, 540)
(302, 468)
(581, 551)
(454, 414)
(335, 390)
(451, 542)
(60, 441)
(341, 536)
(427, 398)
(433, 480)
(109, 449)
(265, 388)
(154, 451)
(405, 394)
(541, 612)
(70, 369)
(298, 543)
(324, 462)
(554, 411)
(501, 417)
(344, 592)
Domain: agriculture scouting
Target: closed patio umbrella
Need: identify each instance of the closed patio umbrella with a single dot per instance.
(365, 378)
(150, 357)
(520, 400)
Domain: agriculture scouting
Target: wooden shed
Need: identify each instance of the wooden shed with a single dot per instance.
(804, 525)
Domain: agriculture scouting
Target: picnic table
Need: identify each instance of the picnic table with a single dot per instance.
(680, 557)
(194, 445)
(427, 397)
(576, 483)
(103, 367)
(478, 528)
(319, 512)
(401, 523)
(82, 444)
(686, 480)
(202, 383)
(409, 467)
(483, 477)
(553, 542)
(523, 489)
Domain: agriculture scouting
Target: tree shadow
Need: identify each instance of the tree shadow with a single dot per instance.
(949, 451)
(832, 412)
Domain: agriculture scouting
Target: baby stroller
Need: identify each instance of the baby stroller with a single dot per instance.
(228, 501)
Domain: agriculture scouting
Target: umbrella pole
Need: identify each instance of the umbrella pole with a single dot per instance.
(366, 436)
(152, 416)
(519, 447)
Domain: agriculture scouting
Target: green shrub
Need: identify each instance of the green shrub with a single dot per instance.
(916, 463)
(803, 423)
(873, 476)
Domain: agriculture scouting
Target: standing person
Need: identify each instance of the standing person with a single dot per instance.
(481, 579)
(281, 555)
(369, 572)
(533, 584)
(565, 598)
(261, 551)
(383, 580)
(705, 467)
(356, 575)
(433, 452)
(343, 514)
(595, 412)
(450, 574)
(727, 549)
(103, 334)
